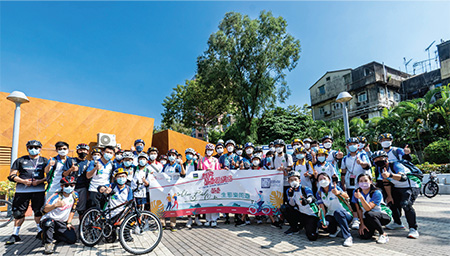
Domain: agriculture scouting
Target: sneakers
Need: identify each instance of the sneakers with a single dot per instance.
(207, 224)
(189, 223)
(227, 221)
(348, 242)
(12, 239)
(259, 222)
(198, 222)
(276, 224)
(338, 230)
(247, 222)
(291, 231)
(413, 233)
(49, 248)
(355, 224)
(213, 224)
(173, 228)
(239, 223)
(382, 239)
(394, 225)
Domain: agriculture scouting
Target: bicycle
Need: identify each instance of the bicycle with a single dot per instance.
(431, 188)
(140, 231)
(6, 214)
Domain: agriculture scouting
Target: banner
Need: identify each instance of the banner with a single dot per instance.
(255, 192)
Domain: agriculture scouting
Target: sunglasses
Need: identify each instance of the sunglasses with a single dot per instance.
(33, 147)
(69, 185)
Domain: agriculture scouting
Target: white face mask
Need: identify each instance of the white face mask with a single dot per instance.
(324, 183)
(294, 184)
(152, 157)
(63, 152)
(386, 144)
(96, 157)
(361, 145)
(258, 155)
(230, 149)
(239, 152)
(307, 145)
(327, 145)
(255, 162)
(272, 149)
(249, 151)
(219, 150)
(209, 152)
(279, 149)
(163, 162)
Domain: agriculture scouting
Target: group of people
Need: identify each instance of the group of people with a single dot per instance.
(323, 187)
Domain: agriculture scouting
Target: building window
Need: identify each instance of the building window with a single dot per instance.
(397, 97)
(347, 78)
(321, 111)
(337, 106)
(362, 97)
(389, 94)
(328, 78)
(367, 72)
(382, 92)
(200, 135)
(322, 90)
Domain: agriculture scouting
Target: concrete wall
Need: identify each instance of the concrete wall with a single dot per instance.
(51, 121)
(169, 139)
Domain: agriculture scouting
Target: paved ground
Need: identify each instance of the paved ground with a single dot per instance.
(434, 226)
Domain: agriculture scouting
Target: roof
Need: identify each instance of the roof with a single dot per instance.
(340, 70)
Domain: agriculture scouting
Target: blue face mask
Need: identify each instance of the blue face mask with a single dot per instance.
(127, 163)
(300, 156)
(321, 159)
(68, 190)
(142, 162)
(171, 158)
(121, 180)
(33, 151)
(268, 159)
(107, 156)
(353, 148)
(189, 157)
(139, 148)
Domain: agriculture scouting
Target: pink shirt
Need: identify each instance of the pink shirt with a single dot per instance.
(211, 163)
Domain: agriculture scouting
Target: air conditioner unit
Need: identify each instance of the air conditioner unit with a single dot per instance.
(104, 140)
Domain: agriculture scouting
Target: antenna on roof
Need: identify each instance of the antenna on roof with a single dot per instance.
(428, 50)
(406, 63)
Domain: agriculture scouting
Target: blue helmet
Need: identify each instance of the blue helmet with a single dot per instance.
(352, 140)
(249, 144)
(139, 141)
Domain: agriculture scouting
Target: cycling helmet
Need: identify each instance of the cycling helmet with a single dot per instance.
(270, 143)
(239, 146)
(96, 150)
(307, 140)
(258, 149)
(120, 171)
(189, 150)
(379, 153)
(219, 144)
(253, 157)
(220, 141)
(249, 144)
(34, 143)
(296, 141)
(163, 157)
(322, 151)
(68, 180)
(151, 149)
(352, 140)
(362, 139)
(172, 151)
(128, 154)
(139, 141)
(385, 136)
(278, 142)
(230, 142)
(143, 155)
(300, 150)
(209, 146)
(119, 151)
(294, 174)
(82, 146)
(327, 137)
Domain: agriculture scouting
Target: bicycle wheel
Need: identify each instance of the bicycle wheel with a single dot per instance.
(6, 215)
(91, 227)
(140, 234)
(431, 189)
(252, 209)
(266, 210)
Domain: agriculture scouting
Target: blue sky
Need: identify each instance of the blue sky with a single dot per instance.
(127, 56)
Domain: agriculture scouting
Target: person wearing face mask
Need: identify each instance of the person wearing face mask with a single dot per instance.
(190, 165)
(259, 153)
(301, 210)
(333, 204)
(334, 156)
(173, 167)
(29, 175)
(296, 143)
(228, 161)
(372, 211)
(210, 163)
(163, 160)
(402, 194)
(76, 168)
(59, 211)
(96, 154)
(354, 164)
(271, 147)
(219, 150)
(54, 169)
(282, 162)
(309, 154)
(139, 145)
(363, 146)
(100, 172)
(322, 166)
(239, 155)
(246, 162)
(394, 153)
(267, 162)
(118, 159)
(304, 167)
(155, 166)
(139, 180)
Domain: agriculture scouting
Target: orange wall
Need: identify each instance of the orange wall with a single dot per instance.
(51, 121)
(169, 139)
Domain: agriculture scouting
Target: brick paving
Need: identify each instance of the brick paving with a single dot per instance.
(433, 218)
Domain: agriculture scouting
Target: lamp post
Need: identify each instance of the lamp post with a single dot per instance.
(343, 98)
(18, 98)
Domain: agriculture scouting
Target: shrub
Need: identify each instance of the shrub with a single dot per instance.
(439, 168)
(438, 152)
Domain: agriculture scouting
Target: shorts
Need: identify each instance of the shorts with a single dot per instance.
(141, 200)
(22, 201)
(82, 199)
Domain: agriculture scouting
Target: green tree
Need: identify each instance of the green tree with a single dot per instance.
(247, 60)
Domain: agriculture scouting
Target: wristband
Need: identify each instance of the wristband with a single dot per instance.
(391, 175)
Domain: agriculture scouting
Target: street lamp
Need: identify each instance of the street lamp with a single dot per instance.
(18, 98)
(343, 98)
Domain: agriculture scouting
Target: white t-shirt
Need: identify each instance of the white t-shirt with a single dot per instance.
(304, 181)
(137, 177)
(57, 176)
(61, 213)
(354, 169)
(102, 176)
(326, 168)
(281, 160)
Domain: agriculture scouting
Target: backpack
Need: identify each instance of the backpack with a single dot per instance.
(313, 205)
(383, 206)
(415, 172)
(306, 163)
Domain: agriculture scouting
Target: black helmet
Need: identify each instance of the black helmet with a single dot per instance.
(385, 136)
(362, 139)
(83, 146)
(379, 153)
(278, 142)
(34, 143)
(293, 174)
(258, 149)
(352, 140)
(327, 137)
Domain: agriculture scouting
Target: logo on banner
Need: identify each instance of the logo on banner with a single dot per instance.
(265, 182)
(195, 175)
